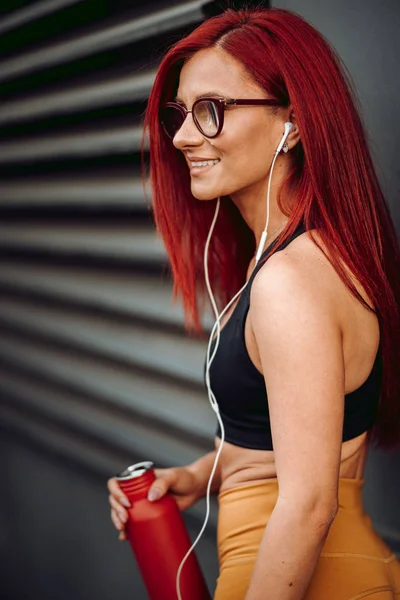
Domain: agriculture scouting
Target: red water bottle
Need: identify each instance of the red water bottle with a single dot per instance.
(159, 539)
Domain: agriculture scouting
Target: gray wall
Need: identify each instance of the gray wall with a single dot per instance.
(366, 35)
(96, 370)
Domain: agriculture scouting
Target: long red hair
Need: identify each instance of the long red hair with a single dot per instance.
(333, 181)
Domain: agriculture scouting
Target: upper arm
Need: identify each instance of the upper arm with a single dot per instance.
(300, 346)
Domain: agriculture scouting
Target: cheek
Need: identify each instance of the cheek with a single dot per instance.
(245, 159)
(249, 153)
(248, 163)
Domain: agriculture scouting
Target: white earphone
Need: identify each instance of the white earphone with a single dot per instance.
(288, 128)
(216, 328)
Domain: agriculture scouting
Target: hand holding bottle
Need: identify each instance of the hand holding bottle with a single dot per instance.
(156, 531)
(186, 484)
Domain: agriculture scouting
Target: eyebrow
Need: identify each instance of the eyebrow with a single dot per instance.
(205, 95)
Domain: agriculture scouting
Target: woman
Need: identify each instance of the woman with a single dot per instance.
(306, 372)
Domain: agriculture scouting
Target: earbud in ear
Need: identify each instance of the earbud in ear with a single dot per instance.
(288, 128)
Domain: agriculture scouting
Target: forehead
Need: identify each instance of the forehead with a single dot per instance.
(214, 70)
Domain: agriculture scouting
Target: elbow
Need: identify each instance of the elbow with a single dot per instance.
(321, 514)
(318, 512)
(323, 519)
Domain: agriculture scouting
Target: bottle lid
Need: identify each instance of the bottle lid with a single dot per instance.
(136, 470)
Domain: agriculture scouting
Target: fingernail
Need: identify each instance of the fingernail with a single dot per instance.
(153, 495)
(125, 502)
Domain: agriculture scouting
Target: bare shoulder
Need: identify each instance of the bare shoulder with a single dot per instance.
(307, 245)
(309, 255)
(306, 257)
(302, 265)
(301, 278)
(293, 295)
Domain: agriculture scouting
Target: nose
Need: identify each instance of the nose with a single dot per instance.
(188, 134)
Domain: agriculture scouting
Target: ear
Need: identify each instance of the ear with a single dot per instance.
(294, 136)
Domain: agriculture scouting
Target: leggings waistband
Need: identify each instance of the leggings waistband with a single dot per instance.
(349, 492)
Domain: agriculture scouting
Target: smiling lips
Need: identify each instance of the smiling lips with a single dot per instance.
(199, 162)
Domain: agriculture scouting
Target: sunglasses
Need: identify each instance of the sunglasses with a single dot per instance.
(207, 114)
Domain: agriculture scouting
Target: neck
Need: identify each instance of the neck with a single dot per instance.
(252, 204)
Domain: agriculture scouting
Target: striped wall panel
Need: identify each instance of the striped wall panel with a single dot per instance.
(95, 363)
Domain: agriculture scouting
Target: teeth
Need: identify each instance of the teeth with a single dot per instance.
(205, 163)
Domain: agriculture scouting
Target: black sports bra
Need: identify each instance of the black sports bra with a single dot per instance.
(240, 391)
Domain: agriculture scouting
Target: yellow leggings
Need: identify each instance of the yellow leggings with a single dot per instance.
(354, 563)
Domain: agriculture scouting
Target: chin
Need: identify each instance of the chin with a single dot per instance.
(203, 196)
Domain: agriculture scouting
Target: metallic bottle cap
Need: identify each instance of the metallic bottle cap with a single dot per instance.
(136, 470)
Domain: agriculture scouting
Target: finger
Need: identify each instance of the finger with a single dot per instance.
(115, 490)
(112, 485)
(121, 512)
(116, 503)
(165, 473)
(116, 522)
(122, 536)
(159, 472)
(158, 489)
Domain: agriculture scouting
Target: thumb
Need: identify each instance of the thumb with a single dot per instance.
(158, 489)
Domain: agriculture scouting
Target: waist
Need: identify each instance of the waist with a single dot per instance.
(349, 493)
(244, 466)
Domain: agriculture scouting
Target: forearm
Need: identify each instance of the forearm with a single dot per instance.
(288, 555)
(202, 469)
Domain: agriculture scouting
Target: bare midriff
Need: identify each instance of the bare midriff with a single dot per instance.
(241, 466)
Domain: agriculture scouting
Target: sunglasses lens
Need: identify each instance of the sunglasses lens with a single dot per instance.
(171, 119)
(207, 116)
